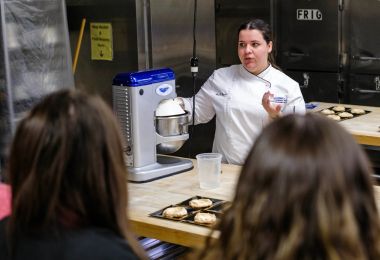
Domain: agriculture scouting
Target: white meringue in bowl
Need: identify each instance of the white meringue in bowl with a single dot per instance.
(169, 107)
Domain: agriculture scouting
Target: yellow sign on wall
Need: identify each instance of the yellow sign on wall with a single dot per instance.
(101, 41)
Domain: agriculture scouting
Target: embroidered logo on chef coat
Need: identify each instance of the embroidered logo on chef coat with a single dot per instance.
(222, 94)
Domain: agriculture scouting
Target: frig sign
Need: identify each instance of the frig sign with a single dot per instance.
(309, 15)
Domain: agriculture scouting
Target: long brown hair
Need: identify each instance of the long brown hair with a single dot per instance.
(264, 28)
(66, 159)
(305, 192)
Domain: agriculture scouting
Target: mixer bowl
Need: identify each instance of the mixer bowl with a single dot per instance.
(172, 126)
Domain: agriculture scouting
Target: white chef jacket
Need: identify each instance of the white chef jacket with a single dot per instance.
(234, 95)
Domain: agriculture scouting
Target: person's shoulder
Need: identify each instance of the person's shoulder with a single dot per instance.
(227, 70)
(224, 74)
(96, 243)
(282, 77)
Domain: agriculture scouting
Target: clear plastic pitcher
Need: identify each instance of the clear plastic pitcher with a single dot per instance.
(209, 170)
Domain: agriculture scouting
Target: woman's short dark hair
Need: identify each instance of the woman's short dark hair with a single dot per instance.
(66, 167)
(260, 25)
(305, 192)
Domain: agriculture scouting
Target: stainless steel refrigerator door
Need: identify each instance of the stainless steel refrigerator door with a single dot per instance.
(364, 89)
(309, 35)
(364, 37)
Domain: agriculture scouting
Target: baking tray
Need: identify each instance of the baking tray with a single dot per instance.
(218, 207)
(347, 109)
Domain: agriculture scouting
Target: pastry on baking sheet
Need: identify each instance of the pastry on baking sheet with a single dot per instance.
(205, 218)
(327, 112)
(175, 212)
(346, 115)
(357, 111)
(200, 203)
(339, 108)
(334, 117)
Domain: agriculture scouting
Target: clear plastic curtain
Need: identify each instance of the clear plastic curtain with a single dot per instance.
(35, 57)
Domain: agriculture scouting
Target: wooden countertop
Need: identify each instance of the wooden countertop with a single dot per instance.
(146, 198)
(364, 128)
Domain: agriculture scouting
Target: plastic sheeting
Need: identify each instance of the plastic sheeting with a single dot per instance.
(35, 57)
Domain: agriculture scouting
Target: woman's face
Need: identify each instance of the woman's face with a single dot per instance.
(253, 51)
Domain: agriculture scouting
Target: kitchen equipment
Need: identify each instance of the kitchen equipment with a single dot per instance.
(175, 125)
(136, 97)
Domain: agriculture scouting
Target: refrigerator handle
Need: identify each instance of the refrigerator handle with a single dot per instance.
(295, 54)
(365, 58)
(366, 91)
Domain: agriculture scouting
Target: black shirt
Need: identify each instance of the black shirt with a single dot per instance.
(85, 243)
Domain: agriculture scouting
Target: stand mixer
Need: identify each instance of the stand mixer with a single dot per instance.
(136, 97)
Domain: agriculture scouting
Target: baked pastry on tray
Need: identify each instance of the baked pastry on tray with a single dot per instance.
(334, 117)
(339, 108)
(205, 218)
(327, 112)
(346, 115)
(200, 203)
(174, 212)
(358, 111)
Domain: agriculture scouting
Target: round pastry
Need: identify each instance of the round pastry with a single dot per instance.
(357, 111)
(327, 112)
(175, 212)
(346, 115)
(204, 218)
(339, 108)
(334, 117)
(200, 203)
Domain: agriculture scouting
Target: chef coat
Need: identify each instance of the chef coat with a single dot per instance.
(234, 95)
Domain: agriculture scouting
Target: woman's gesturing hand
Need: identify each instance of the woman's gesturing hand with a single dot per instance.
(273, 111)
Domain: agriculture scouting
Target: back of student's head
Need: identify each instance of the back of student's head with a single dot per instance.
(305, 192)
(66, 166)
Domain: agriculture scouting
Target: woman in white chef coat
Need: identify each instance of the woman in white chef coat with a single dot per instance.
(239, 95)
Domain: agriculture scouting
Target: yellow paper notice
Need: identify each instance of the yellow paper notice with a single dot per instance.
(101, 41)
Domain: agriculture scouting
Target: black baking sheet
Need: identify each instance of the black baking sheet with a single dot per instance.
(218, 207)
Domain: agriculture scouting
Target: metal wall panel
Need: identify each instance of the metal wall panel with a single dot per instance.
(172, 36)
(95, 76)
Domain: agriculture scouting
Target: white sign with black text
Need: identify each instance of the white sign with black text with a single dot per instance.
(309, 15)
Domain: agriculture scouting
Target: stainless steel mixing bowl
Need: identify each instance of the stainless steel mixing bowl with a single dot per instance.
(172, 126)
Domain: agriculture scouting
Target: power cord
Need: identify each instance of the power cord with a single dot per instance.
(194, 73)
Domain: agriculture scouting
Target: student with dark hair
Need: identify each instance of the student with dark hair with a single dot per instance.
(239, 95)
(68, 179)
(305, 192)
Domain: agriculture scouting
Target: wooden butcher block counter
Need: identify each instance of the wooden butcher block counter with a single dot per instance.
(149, 197)
(364, 128)
(146, 198)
